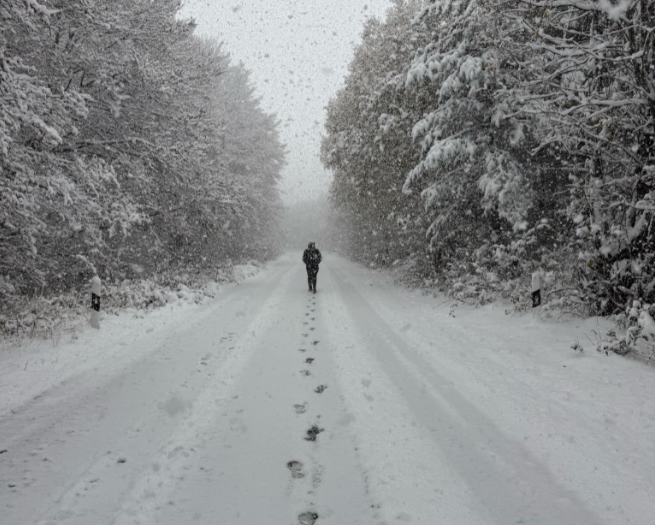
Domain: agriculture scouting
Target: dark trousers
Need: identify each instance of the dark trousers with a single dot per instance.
(312, 273)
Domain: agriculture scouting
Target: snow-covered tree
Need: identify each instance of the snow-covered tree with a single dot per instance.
(252, 157)
(592, 88)
(369, 147)
(45, 196)
(474, 173)
(113, 126)
(427, 108)
(523, 134)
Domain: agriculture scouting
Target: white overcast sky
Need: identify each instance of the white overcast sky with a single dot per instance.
(298, 52)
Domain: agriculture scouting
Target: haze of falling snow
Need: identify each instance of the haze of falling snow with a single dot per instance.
(298, 54)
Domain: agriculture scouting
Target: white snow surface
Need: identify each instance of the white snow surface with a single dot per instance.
(192, 414)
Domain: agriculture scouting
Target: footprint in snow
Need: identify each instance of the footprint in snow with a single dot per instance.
(307, 518)
(305, 335)
(296, 469)
(301, 350)
(313, 433)
(305, 373)
(320, 389)
(300, 409)
(309, 360)
(312, 329)
(315, 342)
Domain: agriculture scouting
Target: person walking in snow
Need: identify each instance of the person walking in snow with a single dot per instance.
(312, 258)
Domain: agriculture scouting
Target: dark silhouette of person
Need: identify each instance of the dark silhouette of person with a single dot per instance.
(312, 258)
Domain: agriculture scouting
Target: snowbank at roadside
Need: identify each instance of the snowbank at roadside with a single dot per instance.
(246, 271)
(59, 317)
(145, 313)
(630, 333)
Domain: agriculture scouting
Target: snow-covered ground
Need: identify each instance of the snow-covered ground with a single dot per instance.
(364, 404)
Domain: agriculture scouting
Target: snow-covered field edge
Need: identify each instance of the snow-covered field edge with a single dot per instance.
(59, 317)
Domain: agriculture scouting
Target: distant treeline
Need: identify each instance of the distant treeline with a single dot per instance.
(477, 141)
(128, 146)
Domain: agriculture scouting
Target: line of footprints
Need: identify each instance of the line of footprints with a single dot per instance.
(296, 467)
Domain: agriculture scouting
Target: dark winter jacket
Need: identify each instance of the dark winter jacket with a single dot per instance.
(312, 258)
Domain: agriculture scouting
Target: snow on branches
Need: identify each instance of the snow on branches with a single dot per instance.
(526, 131)
(592, 89)
(119, 132)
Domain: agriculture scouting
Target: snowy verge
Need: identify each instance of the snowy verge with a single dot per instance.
(59, 317)
(629, 333)
(30, 366)
(506, 422)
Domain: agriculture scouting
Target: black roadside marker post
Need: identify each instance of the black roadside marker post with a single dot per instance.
(536, 290)
(95, 302)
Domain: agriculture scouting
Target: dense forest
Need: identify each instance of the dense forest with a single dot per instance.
(478, 141)
(128, 148)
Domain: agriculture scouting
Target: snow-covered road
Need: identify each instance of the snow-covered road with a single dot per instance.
(364, 404)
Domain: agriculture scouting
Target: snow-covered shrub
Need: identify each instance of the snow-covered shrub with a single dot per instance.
(58, 315)
(636, 331)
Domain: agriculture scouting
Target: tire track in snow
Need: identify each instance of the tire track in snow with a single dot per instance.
(146, 484)
(93, 350)
(586, 450)
(510, 484)
(150, 492)
(114, 358)
(259, 433)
